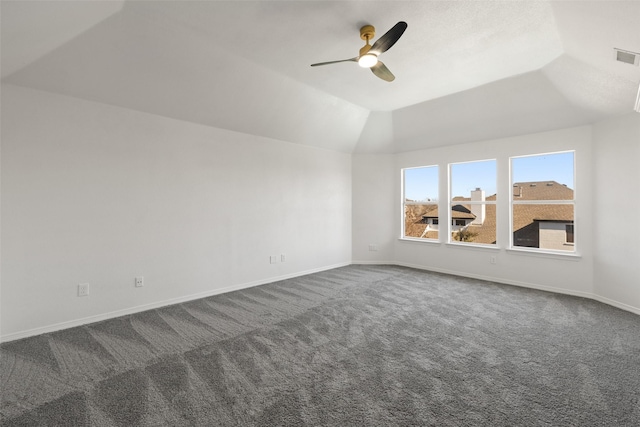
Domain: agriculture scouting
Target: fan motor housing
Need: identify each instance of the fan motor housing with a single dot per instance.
(367, 32)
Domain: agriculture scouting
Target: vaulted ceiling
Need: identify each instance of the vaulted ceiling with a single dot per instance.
(465, 70)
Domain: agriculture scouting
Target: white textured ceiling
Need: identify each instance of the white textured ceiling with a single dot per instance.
(465, 70)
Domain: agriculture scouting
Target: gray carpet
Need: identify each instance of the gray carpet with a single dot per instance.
(358, 345)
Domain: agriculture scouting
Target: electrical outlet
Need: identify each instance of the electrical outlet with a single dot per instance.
(373, 248)
(139, 281)
(493, 259)
(83, 290)
(273, 259)
(283, 258)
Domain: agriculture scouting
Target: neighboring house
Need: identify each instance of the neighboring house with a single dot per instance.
(460, 217)
(545, 226)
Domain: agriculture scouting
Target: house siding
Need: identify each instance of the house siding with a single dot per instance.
(553, 235)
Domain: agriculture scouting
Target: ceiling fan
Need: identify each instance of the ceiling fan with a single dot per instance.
(368, 57)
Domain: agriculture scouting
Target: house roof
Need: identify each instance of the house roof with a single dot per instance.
(457, 212)
(500, 68)
(413, 219)
(541, 190)
(486, 231)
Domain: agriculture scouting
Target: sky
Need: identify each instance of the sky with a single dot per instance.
(466, 177)
(422, 183)
(549, 167)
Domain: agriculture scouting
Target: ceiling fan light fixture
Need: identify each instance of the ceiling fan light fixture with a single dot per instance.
(368, 60)
(368, 54)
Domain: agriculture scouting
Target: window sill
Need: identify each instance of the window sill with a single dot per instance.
(417, 240)
(474, 246)
(546, 254)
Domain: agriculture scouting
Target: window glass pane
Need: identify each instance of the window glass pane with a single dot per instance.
(469, 177)
(421, 202)
(544, 226)
(535, 181)
(543, 177)
(473, 196)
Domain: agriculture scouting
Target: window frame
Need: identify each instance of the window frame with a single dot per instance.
(403, 231)
(573, 202)
(451, 203)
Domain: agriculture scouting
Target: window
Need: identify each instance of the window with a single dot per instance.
(569, 232)
(472, 187)
(542, 202)
(420, 202)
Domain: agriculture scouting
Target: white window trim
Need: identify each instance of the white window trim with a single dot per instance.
(481, 246)
(452, 203)
(419, 240)
(403, 204)
(544, 253)
(512, 201)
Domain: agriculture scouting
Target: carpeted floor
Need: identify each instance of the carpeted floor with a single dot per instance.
(358, 345)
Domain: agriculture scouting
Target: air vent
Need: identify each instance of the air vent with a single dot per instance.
(627, 56)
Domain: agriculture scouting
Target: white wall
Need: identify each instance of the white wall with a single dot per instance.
(100, 194)
(617, 205)
(564, 274)
(374, 180)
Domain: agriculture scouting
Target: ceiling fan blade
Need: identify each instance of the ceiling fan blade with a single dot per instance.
(381, 70)
(388, 39)
(335, 62)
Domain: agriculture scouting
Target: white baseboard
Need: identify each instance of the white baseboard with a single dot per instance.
(375, 263)
(158, 304)
(572, 292)
(617, 304)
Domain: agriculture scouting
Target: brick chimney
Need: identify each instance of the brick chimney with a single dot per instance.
(479, 211)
